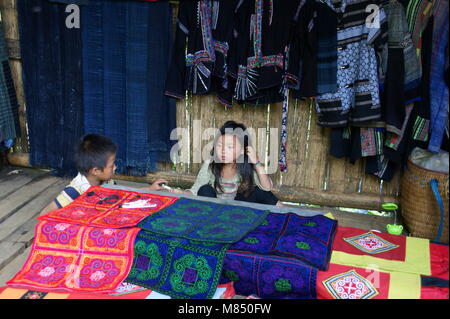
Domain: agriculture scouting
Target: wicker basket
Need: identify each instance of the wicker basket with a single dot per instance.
(420, 210)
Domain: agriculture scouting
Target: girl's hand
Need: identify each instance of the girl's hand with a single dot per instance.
(156, 185)
(252, 156)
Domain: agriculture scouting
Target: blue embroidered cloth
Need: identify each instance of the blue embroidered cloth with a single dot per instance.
(307, 239)
(205, 221)
(180, 268)
(269, 276)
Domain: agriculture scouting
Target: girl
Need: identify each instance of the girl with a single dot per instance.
(234, 172)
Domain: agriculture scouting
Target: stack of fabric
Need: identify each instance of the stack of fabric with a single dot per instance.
(281, 257)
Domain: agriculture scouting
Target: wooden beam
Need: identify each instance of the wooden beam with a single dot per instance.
(284, 193)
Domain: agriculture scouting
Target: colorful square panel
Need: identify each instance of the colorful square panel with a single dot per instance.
(350, 285)
(370, 243)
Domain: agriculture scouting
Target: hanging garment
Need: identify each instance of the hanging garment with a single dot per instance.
(401, 68)
(438, 88)
(418, 13)
(200, 51)
(125, 49)
(302, 70)
(261, 33)
(9, 107)
(357, 99)
(53, 84)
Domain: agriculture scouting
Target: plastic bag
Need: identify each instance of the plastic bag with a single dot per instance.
(431, 161)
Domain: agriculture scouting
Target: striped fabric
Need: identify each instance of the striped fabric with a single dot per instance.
(371, 141)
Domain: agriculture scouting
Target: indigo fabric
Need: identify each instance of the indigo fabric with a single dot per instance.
(9, 107)
(438, 88)
(205, 221)
(307, 239)
(177, 267)
(125, 52)
(52, 78)
(269, 276)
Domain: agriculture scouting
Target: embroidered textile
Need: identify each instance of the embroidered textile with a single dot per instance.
(180, 268)
(370, 243)
(308, 239)
(360, 248)
(349, 282)
(200, 220)
(104, 207)
(67, 257)
(269, 276)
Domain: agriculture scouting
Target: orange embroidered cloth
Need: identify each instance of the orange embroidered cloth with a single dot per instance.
(68, 257)
(109, 208)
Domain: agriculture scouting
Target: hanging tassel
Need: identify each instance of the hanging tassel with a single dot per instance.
(285, 108)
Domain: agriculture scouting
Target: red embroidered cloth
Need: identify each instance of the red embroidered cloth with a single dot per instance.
(70, 257)
(345, 282)
(104, 207)
(363, 242)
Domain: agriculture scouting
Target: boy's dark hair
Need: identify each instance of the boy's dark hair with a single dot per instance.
(93, 151)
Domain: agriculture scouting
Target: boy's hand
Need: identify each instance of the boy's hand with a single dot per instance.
(156, 185)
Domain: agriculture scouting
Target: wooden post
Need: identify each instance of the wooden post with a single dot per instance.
(10, 21)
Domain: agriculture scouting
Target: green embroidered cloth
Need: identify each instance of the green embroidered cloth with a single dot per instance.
(204, 221)
(178, 267)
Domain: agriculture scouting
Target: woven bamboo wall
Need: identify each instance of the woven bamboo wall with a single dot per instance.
(312, 177)
(310, 168)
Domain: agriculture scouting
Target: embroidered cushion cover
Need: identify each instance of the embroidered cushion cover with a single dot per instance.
(204, 221)
(308, 239)
(104, 207)
(178, 267)
(67, 257)
(269, 276)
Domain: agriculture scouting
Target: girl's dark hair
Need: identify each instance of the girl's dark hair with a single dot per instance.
(244, 168)
(93, 151)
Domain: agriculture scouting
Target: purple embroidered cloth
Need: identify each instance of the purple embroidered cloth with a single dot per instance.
(269, 276)
(307, 239)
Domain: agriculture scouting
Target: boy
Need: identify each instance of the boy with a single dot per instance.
(95, 161)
